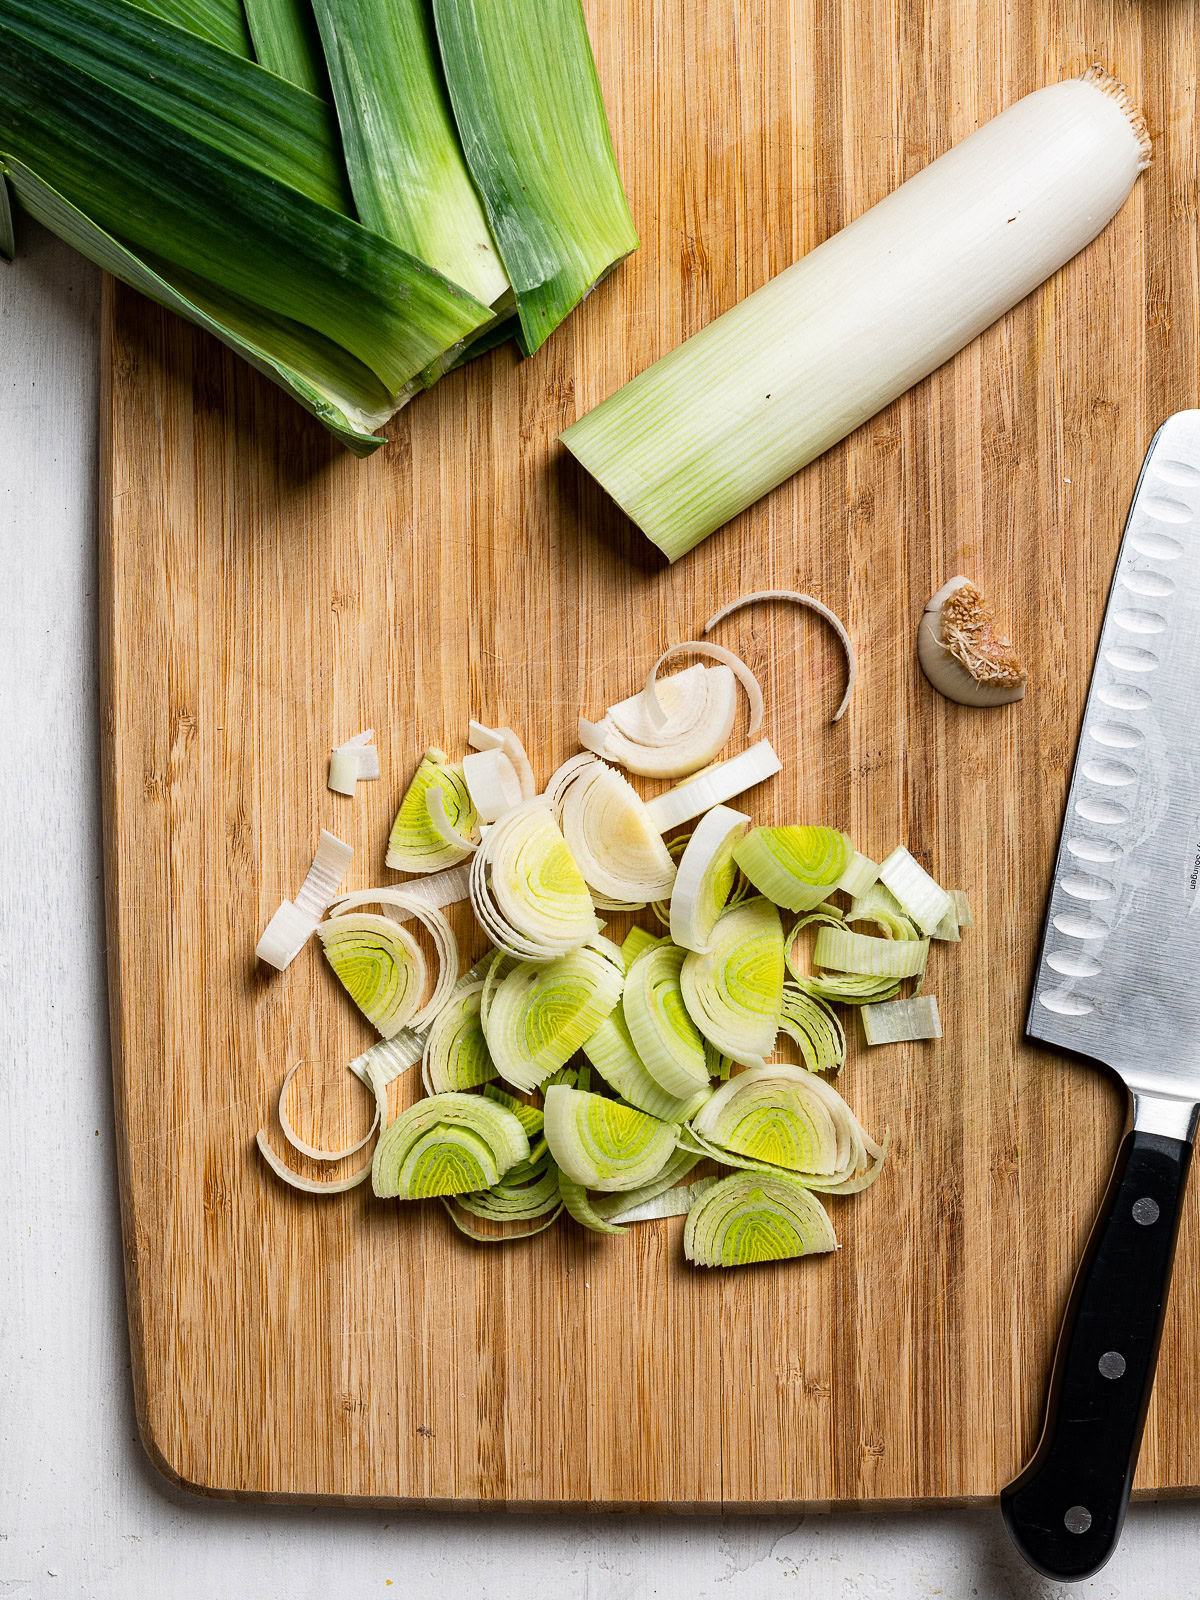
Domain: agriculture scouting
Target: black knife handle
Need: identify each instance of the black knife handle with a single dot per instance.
(1065, 1510)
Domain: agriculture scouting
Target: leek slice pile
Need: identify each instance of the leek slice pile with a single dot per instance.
(352, 252)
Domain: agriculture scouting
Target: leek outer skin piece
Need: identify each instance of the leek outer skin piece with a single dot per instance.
(527, 102)
(222, 22)
(922, 900)
(286, 42)
(406, 165)
(183, 201)
(766, 388)
(901, 1021)
(246, 112)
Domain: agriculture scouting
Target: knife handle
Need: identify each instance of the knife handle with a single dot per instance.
(1065, 1510)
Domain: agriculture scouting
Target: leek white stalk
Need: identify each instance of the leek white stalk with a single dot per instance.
(438, 890)
(899, 1021)
(316, 1152)
(806, 359)
(654, 709)
(734, 993)
(714, 787)
(675, 1202)
(610, 833)
(481, 737)
(704, 880)
(295, 1180)
(748, 1217)
(353, 761)
(492, 782)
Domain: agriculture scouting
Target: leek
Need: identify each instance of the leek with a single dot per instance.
(610, 833)
(537, 1015)
(602, 1144)
(806, 359)
(286, 43)
(847, 951)
(667, 1041)
(406, 166)
(612, 1052)
(734, 994)
(613, 1206)
(812, 604)
(715, 786)
(676, 1202)
(919, 896)
(796, 867)
(379, 965)
(414, 844)
(578, 1204)
(456, 1056)
(809, 1022)
(705, 878)
(900, 1021)
(698, 707)
(526, 888)
(291, 927)
(450, 1144)
(523, 86)
(221, 22)
(748, 1218)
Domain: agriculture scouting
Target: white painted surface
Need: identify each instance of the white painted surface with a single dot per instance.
(82, 1512)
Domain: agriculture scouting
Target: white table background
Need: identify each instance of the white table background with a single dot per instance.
(82, 1511)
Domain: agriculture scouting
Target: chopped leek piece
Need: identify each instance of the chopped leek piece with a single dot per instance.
(498, 1238)
(771, 384)
(438, 890)
(812, 604)
(539, 1013)
(286, 43)
(920, 897)
(603, 1144)
(820, 1036)
(579, 1205)
(698, 707)
(295, 922)
(389, 1059)
(356, 759)
(456, 1054)
(734, 993)
(962, 908)
(611, 1051)
(848, 988)
(672, 1173)
(450, 1144)
(796, 867)
(714, 787)
(406, 165)
(415, 845)
(859, 875)
(947, 929)
(480, 737)
(846, 951)
(749, 1217)
(514, 1199)
(523, 85)
(899, 1021)
(380, 966)
(704, 881)
(634, 942)
(492, 782)
(610, 833)
(527, 889)
(877, 898)
(657, 716)
(530, 1117)
(667, 1041)
(328, 1186)
(315, 1152)
(676, 1202)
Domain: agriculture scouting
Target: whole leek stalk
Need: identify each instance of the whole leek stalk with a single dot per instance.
(806, 359)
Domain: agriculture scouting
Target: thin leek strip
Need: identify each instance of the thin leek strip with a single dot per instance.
(921, 898)
(603, 1144)
(705, 878)
(747, 1218)
(186, 202)
(379, 965)
(671, 1174)
(286, 43)
(527, 103)
(498, 1238)
(668, 1042)
(699, 707)
(406, 165)
(716, 786)
(809, 1022)
(526, 887)
(229, 101)
(675, 1202)
(221, 22)
(795, 867)
(822, 610)
(481, 737)
(578, 1204)
(802, 362)
(899, 1021)
(734, 993)
(947, 929)
(514, 1201)
(859, 875)
(610, 833)
(611, 1051)
(539, 1014)
(295, 922)
(847, 988)
(892, 925)
(846, 951)
(450, 1144)
(456, 1055)
(389, 1059)
(294, 1180)
(962, 908)
(354, 761)
(438, 890)
(492, 782)
(655, 713)
(315, 1152)
(414, 844)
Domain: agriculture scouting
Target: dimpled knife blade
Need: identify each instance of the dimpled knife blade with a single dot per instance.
(1118, 980)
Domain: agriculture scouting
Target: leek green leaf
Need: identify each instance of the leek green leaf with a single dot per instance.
(286, 42)
(221, 21)
(245, 112)
(406, 165)
(523, 86)
(163, 190)
(327, 381)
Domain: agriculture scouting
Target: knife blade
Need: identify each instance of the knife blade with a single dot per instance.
(1118, 981)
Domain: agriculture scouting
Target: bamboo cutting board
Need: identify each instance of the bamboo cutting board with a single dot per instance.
(265, 595)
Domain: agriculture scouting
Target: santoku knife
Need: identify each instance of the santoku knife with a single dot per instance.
(1118, 980)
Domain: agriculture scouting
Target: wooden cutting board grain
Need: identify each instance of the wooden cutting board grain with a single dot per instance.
(266, 595)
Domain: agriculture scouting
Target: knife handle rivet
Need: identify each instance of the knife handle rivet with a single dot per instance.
(1077, 1520)
(1112, 1364)
(1145, 1211)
